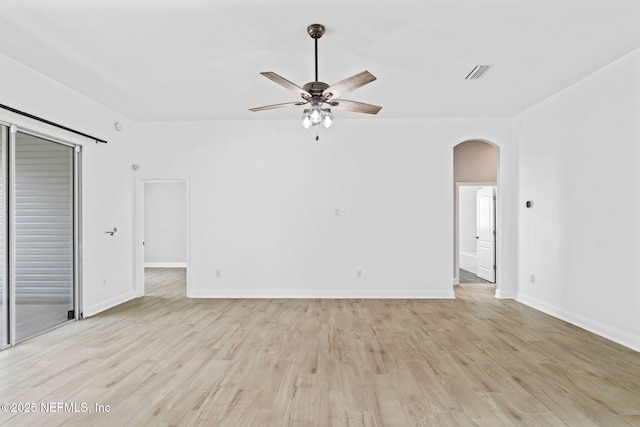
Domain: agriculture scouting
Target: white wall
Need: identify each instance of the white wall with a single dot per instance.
(263, 198)
(107, 190)
(579, 153)
(468, 217)
(165, 224)
(264, 193)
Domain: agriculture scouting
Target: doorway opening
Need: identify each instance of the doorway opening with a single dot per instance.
(476, 233)
(476, 190)
(163, 238)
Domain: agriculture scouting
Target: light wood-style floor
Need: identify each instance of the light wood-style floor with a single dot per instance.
(167, 360)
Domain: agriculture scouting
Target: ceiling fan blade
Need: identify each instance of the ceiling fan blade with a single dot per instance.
(350, 84)
(284, 83)
(274, 106)
(358, 107)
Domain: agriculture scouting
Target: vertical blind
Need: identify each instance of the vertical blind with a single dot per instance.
(43, 220)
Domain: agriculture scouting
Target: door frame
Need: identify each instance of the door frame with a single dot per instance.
(77, 225)
(456, 239)
(139, 237)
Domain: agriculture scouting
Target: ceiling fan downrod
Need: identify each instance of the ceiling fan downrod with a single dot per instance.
(315, 32)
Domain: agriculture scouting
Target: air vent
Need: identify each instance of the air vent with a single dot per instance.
(477, 72)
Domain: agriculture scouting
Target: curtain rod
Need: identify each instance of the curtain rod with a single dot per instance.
(40, 119)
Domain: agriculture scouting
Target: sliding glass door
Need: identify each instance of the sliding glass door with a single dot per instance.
(38, 234)
(42, 227)
(4, 254)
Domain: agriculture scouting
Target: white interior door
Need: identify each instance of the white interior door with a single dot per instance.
(486, 253)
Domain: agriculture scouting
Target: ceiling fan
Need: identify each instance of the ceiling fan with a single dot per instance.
(317, 93)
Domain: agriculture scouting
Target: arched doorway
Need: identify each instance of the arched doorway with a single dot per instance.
(476, 201)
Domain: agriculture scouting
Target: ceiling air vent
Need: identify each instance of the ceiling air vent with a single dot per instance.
(477, 72)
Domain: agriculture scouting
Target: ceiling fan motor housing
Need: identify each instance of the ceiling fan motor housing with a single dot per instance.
(315, 88)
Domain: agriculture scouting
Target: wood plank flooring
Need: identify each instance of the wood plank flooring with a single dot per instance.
(167, 360)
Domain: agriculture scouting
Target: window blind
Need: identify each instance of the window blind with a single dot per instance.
(43, 220)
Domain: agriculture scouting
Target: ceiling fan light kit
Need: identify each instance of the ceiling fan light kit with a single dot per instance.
(318, 93)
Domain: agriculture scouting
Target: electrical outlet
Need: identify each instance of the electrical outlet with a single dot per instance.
(532, 279)
(104, 283)
(359, 274)
(339, 212)
(218, 274)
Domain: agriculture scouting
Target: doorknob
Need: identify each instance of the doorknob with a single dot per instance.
(477, 237)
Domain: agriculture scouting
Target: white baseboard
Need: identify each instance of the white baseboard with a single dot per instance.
(505, 294)
(471, 268)
(165, 265)
(324, 294)
(616, 335)
(94, 309)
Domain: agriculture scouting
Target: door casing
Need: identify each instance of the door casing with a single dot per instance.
(139, 252)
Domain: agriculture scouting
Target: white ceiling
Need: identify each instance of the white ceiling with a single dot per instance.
(200, 59)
